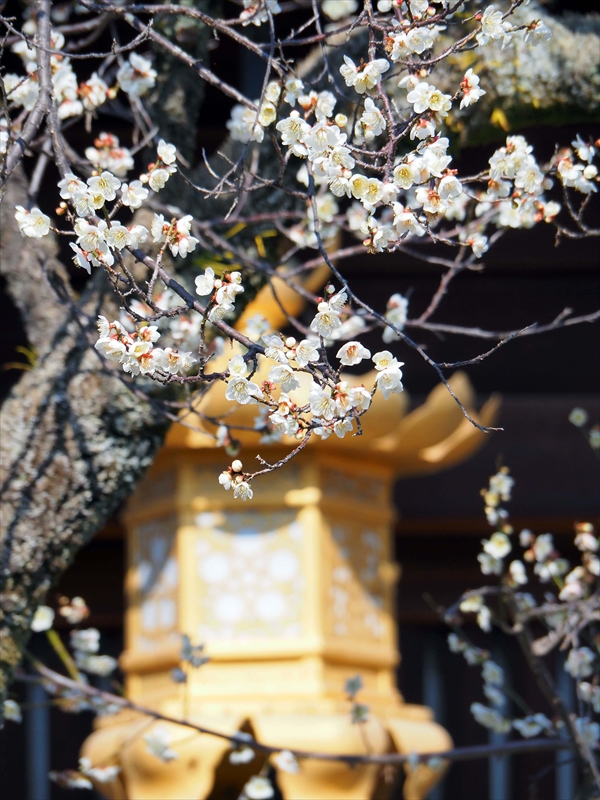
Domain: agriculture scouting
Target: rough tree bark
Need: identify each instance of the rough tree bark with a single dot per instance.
(74, 438)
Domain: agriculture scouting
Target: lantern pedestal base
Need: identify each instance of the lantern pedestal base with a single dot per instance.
(293, 594)
(202, 770)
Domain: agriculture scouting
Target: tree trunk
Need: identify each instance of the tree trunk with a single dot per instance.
(74, 441)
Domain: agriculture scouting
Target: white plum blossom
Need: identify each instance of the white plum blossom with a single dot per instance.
(99, 774)
(242, 391)
(91, 237)
(285, 376)
(455, 643)
(321, 138)
(427, 97)
(182, 242)
(173, 362)
(501, 484)
(494, 695)
(267, 114)
(244, 125)
(498, 545)
(493, 673)
(326, 321)
(352, 353)
(158, 178)
(95, 665)
(470, 89)
(257, 11)
(293, 129)
(242, 755)
(532, 725)
(70, 779)
(449, 187)
(517, 572)
(396, 314)
(157, 742)
(389, 378)
(371, 122)
(378, 236)
(543, 547)
(93, 92)
(493, 27)
(87, 641)
(338, 9)
(286, 762)
(118, 236)
(43, 619)
(406, 223)
(490, 718)
(365, 77)
(472, 603)
(275, 348)
(321, 402)
(431, 201)
(341, 427)
(166, 152)
(137, 235)
(34, 223)
(205, 284)
(587, 542)
(242, 490)
(133, 194)
(136, 76)
(324, 106)
(259, 788)
(590, 694)
(71, 185)
(588, 730)
(537, 32)
(293, 89)
(22, 92)
(306, 352)
(489, 564)
(272, 92)
(359, 398)
(404, 176)
(585, 152)
(12, 711)
(579, 663)
(105, 184)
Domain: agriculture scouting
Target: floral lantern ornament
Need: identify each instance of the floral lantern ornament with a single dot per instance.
(292, 595)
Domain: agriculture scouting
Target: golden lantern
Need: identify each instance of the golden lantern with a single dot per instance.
(292, 593)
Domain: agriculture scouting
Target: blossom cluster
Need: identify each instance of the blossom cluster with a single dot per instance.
(85, 776)
(418, 190)
(323, 409)
(73, 98)
(572, 586)
(369, 154)
(100, 242)
(136, 353)
(84, 642)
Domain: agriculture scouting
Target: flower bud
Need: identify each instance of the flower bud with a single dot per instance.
(236, 465)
